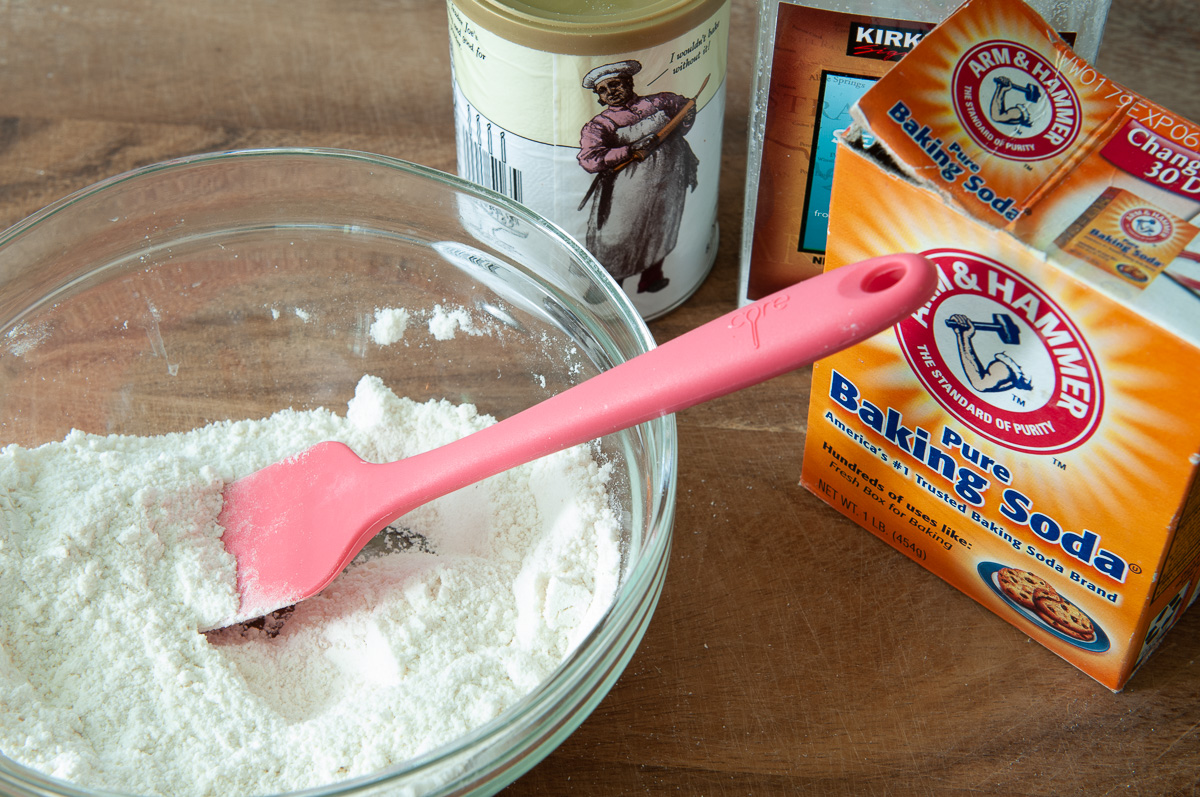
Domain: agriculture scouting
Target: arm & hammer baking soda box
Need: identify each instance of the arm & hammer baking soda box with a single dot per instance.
(1031, 435)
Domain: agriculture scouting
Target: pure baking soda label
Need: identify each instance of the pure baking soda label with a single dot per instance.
(1000, 112)
(621, 150)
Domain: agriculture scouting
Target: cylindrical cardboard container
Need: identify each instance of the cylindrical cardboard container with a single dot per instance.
(604, 117)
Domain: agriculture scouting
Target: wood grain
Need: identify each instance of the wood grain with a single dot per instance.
(791, 653)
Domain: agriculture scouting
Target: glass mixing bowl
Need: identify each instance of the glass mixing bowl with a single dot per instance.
(233, 285)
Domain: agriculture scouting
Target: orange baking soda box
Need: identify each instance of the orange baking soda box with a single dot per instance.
(1031, 434)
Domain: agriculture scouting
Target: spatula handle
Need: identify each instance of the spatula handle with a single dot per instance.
(775, 335)
(772, 336)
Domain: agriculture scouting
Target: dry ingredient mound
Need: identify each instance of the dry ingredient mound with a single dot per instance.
(110, 559)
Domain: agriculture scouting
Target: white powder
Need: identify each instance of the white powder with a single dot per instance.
(110, 560)
(24, 337)
(446, 320)
(389, 325)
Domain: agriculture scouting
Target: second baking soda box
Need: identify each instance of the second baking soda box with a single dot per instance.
(1032, 434)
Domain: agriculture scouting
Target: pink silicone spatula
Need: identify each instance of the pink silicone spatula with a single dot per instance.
(293, 526)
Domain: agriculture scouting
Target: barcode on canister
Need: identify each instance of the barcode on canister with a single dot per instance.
(487, 162)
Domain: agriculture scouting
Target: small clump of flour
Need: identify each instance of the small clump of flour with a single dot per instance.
(446, 321)
(389, 325)
(111, 560)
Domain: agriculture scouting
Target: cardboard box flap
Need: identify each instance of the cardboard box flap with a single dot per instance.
(991, 120)
(993, 111)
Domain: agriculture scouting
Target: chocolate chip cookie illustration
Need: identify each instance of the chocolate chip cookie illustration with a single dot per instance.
(1020, 585)
(1032, 598)
(1062, 615)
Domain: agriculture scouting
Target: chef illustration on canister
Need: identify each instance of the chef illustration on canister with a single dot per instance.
(546, 113)
(644, 170)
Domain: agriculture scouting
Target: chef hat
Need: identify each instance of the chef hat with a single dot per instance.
(629, 68)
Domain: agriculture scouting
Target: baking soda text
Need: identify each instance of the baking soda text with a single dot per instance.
(1083, 547)
(913, 443)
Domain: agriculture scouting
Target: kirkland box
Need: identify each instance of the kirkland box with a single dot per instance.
(1031, 435)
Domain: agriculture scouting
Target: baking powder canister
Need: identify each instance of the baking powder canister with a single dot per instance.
(604, 117)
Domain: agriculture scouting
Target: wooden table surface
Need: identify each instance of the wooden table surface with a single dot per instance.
(791, 652)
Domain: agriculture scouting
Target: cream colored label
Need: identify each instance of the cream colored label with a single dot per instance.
(621, 150)
(540, 95)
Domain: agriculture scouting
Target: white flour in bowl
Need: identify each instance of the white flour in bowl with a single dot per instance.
(110, 559)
